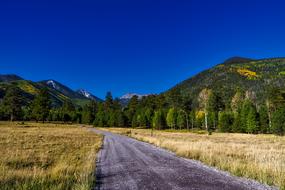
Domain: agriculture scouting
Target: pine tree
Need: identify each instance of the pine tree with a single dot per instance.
(41, 105)
(244, 115)
(89, 111)
(100, 120)
(109, 100)
(225, 121)
(251, 123)
(148, 116)
(263, 119)
(135, 122)
(112, 119)
(121, 120)
(236, 127)
(215, 105)
(132, 108)
(278, 121)
(12, 102)
(68, 111)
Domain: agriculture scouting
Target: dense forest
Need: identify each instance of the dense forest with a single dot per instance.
(174, 111)
(239, 95)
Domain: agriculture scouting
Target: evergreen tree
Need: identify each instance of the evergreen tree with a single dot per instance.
(225, 121)
(12, 102)
(236, 127)
(263, 119)
(246, 107)
(68, 111)
(278, 121)
(121, 120)
(41, 105)
(112, 119)
(100, 117)
(148, 116)
(109, 101)
(89, 112)
(135, 122)
(100, 120)
(251, 123)
(132, 108)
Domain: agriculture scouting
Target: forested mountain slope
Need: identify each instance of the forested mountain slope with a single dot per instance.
(254, 76)
(58, 92)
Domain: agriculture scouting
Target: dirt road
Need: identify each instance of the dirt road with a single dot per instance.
(125, 163)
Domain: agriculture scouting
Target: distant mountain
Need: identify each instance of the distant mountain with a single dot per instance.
(66, 91)
(254, 76)
(59, 92)
(9, 78)
(234, 60)
(88, 95)
(127, 97)
(130, 95)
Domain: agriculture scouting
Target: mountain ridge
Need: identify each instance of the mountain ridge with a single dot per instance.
(58, 91)
(254, 75)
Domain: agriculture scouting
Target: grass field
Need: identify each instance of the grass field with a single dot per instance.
(260, 157)
(47, 156)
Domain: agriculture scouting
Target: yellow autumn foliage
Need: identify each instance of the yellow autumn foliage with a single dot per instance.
(199, 114)
(28, 88)
(247, 73)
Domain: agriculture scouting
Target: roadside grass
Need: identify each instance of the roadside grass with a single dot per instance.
(259, 157)
(47, 156)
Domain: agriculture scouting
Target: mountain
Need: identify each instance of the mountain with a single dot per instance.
(253, 76)
(130, 95)
(66, 91)
(124, 100)
(88, 95)
(237, 59)
(9, 78)
(29, 89)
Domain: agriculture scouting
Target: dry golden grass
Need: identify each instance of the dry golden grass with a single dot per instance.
(260, 157)
(47, 156)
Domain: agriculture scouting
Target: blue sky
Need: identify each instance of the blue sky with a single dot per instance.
(143, 46)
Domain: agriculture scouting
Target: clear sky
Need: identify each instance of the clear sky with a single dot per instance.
(143, 46)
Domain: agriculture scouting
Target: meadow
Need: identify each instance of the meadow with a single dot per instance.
(47, 156)
(259, 157)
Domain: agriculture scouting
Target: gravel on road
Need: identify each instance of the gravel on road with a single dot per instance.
(126, 163)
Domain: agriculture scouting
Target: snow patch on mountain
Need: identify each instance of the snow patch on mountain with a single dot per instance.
(51, 83)
(130, 95)
(85, 93)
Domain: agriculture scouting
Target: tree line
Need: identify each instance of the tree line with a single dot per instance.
(166, 111)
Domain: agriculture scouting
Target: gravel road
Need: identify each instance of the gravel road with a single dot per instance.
(125, 163)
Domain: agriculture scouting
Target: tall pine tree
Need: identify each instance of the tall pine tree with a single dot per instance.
(12, 102)
(41, 105)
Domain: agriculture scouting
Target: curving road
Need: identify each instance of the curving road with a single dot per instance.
(125, 163)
